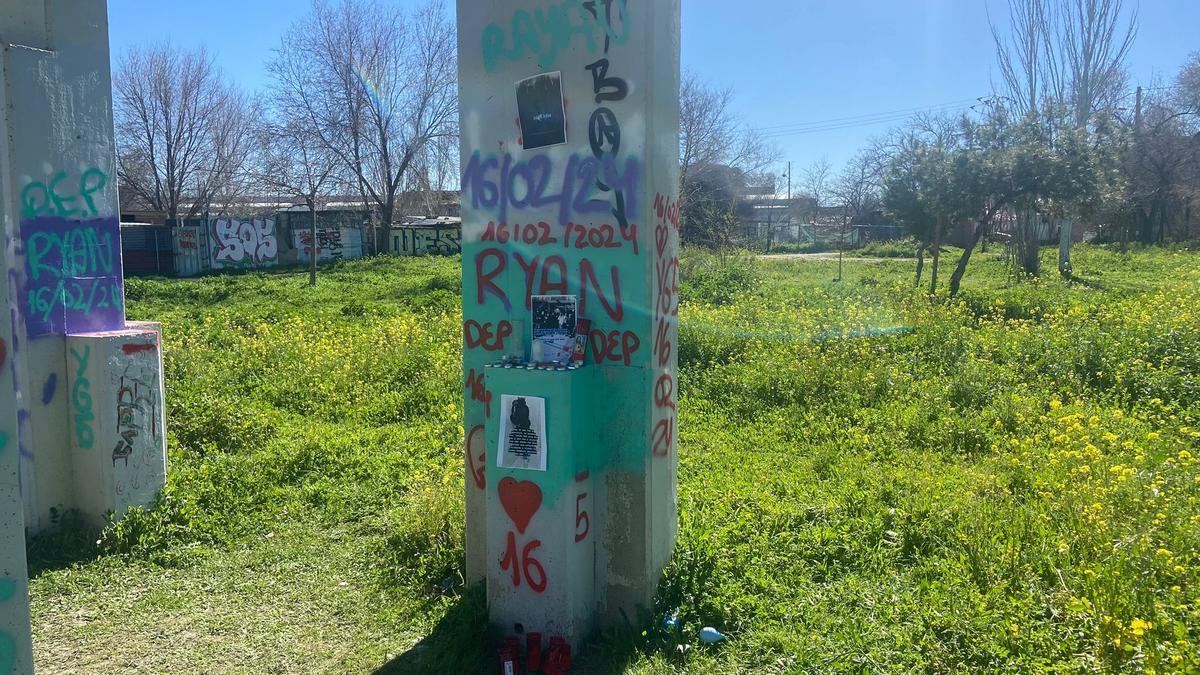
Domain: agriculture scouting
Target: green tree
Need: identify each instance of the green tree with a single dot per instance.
(928, 187)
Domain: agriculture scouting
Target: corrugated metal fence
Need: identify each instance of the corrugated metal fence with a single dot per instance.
(146, 250)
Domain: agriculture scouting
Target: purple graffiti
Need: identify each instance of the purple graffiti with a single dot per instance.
(501, 185)
(23, 433)
(49, 388)
(73, 281)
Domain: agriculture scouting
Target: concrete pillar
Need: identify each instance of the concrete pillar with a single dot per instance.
(570, 131)
(63, 284)
(16, 655)
(117, 428)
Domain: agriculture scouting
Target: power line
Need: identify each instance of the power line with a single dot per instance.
(793, 126)
(866, 123)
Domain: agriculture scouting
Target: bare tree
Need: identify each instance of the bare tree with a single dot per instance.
(716, 151)
(817, 182)
(1065, 52)
(375, 86)
(296, 163)
(183, 132)
(1093, 47)
(1025, 58)
(857, 191)
(237, 120)
(1163, 161)
(706, 127)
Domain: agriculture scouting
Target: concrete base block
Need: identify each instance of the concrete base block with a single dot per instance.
(541, 525)
(47, 463)
(117, 419)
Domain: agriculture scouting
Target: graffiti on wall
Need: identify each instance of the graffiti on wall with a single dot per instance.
(500, 185)
(72, 274)
(49, 388)
(81, 399)
(549, 275)
(583, 522)
(191, 250)
(139, 413)
(62, 197)
(572, 221)
(332, 243)
(427, 240)
(187, 238)
(73, 281)
(604, 129)
(545, 32)
(3, 433)
(242, 243)
(666, 324)
(521, 501)
(476, 450)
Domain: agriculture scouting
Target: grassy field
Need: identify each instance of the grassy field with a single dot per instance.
(870, 479)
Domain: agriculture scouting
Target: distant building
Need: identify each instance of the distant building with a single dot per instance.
(440, 235)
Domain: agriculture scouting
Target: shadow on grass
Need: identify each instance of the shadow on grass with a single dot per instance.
(1084, 281)
(68, 542)
(463, 642)
(460, 643)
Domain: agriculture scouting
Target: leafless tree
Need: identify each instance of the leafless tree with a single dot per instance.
(183, 132)
(1025, 59)
(435, 170)
(711, 134)
(1163, 161)
(856, 192)
(719, 156)
(294, 162)
(1093, 47)
(817, 182)
(375, 85)
(237, 119)
(1065, 52)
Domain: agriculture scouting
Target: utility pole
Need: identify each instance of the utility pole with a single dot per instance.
(788, 203)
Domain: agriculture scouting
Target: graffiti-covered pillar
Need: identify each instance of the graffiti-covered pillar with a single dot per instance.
(570, 137)
(64, 289)
(16, 654)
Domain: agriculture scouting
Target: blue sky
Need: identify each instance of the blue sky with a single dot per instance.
(789, 63)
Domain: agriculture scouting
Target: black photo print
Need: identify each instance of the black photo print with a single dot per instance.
(540, 108)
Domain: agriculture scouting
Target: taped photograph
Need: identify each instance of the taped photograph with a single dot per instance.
(554, 319)
(522, 433)
(541, 111)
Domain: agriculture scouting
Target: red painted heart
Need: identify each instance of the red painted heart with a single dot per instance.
(520, 501)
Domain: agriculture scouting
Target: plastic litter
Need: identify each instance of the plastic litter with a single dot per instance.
(710, 635)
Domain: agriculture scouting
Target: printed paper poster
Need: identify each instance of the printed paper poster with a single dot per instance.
(553, 328)
(522, 433)
(541, 111)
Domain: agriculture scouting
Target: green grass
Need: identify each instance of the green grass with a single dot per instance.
(870, 479)
(899, 248)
